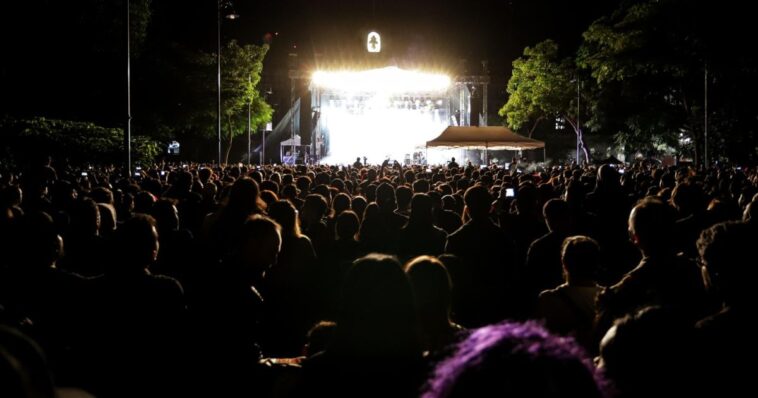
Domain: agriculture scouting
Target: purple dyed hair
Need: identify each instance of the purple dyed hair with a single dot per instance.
(516, 359)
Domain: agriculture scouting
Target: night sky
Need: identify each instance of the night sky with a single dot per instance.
(66, 60)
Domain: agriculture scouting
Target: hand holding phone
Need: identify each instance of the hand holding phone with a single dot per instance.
(510, 193)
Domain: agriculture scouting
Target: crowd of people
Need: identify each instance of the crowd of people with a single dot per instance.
(381, 280)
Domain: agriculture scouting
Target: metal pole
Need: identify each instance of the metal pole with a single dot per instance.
(705, 152)
(218, 79)
(249, 103)
(292, 119)
(263, 148)
(248, 134)
(128, 132)
(484, 104)
(578, 128)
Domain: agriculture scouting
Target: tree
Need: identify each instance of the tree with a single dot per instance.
(75, 141)
(649, 59)
(543, 86)
(241, 68)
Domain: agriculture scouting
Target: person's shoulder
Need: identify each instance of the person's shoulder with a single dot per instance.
(165, 282)
(543, 240)
(66, 276)
(398, 215)
(461, 231)
(686, 263)
(303, 242)
(550, 293)
(184, 234)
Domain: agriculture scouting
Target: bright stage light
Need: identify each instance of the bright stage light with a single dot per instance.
(381, 113)
(390, 80)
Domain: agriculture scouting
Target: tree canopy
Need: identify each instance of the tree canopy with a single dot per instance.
(543, 86)
(642, 72)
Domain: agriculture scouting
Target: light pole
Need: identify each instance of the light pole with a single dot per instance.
(705, 116)
(128, 131)
(578, 124)
(263, 146)
(249, 103)
(220, 4)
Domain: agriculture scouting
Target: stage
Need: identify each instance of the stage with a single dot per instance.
(386, 113)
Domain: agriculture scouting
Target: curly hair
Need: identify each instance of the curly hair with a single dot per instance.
(516, 359)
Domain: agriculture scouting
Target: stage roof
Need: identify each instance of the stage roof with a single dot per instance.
(495, 138)
(389, 80)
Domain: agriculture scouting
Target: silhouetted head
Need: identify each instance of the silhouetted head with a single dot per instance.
(38, 244)
(137, 244)
(421, 186)
(432, 288)
(303, 184)
(727, 253)
(84, 218)
(340, 203)
(652, 226)
(449, 203)
(285, 214)
(338, 184)
(183, 181)
(580, 256)
(23, 369)
(557, 216)
(421, 210)
(385, 197)
(314, 209)
(102, 195)
(272, 184)
(320, 336)
(289, 191)
(358, 205)
(478, 202)
(750, 215)
(527, 199)
(645, 353)
(515, 360)
(166, 215)
(204, 174)
(347, 225)
(403, 195)
(244, 197)
(258, 246)
(268, 197)
(143, 202)
(608, 177)
(377, 317)
(687, 199)
(108, 219)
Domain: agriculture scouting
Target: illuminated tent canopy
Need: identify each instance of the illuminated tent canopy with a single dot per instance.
(290, 149)
(492, 138)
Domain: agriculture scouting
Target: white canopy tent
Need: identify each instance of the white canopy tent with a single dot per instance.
(486, 138)
(289, 150)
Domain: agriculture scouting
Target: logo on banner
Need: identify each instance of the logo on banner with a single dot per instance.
(374, 42)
